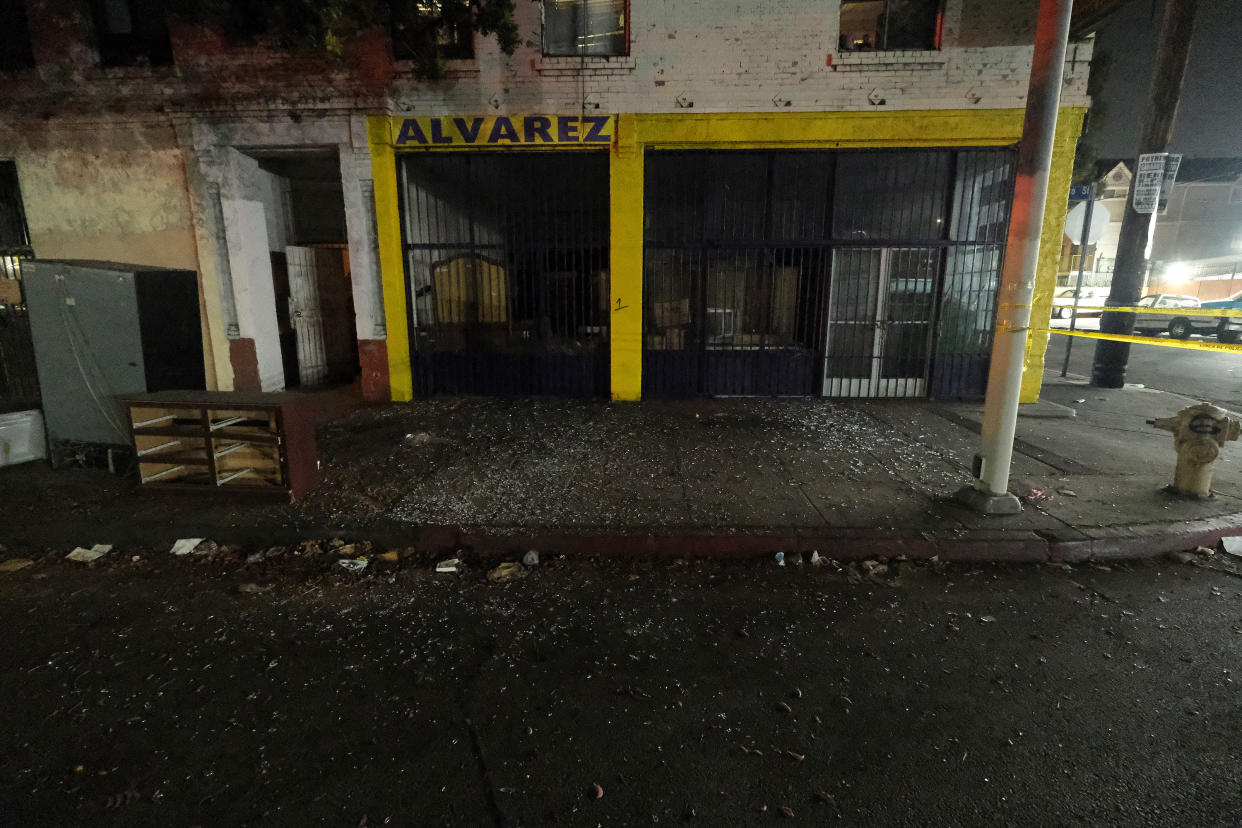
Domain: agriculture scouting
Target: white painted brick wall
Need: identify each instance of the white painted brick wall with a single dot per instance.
(740, 56)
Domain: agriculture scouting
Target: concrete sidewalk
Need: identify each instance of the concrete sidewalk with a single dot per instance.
(723, 477)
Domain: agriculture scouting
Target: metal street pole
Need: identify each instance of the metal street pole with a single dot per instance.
(988, 493)
(1176, 27)
(1082, 258)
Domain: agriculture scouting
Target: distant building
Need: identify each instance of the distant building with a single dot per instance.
(645, 199)
(1196, 249)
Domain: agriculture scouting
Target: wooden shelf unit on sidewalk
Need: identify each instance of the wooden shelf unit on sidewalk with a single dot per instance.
(224, 442)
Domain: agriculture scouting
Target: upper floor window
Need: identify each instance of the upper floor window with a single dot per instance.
(889, 25)
(453, 38)
(15, 50)
(132, 33)
(586, 27)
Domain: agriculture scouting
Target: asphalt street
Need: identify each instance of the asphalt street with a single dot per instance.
(1206, 375)
(162, 692)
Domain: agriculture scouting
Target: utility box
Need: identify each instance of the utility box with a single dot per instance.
(101, 330)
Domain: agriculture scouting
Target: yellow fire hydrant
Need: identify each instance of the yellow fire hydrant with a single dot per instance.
(1199, 432)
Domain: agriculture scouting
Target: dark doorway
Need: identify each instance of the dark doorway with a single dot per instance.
(311, 277)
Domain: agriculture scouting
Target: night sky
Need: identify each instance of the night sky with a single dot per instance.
(1209, 120)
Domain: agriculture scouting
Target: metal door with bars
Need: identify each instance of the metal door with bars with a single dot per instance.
(507, 271)
(19, 384)
(847, 273)
(879, 321)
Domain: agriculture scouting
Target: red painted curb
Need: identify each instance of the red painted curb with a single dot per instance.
(975, 545)
(981, 545)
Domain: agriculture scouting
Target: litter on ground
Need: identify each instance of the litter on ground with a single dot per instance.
(82, 555)
(507, 571)
(185, 546)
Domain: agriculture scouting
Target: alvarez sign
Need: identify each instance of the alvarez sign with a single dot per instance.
(503, 130)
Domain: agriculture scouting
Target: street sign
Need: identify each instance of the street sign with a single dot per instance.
(1099, 223)
(1171, 162)
(1080, 192)
(1148, 181)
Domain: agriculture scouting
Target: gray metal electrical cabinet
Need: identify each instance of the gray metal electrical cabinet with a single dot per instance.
(100, 330)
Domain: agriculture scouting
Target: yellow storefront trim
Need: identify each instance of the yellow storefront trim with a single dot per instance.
(1069, 127)
(625, 183)
(830, 130)
(392, 267)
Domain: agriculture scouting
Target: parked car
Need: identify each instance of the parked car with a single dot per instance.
(1228, 328)
(1063, 302)
(1179, 327)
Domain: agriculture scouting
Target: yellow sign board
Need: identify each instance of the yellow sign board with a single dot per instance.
(496, 131)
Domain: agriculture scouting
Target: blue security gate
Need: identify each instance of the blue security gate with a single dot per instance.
(507, 258)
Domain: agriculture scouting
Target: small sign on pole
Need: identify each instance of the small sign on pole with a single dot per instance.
(1080, 192)
(1148, 181)
(1171, 162)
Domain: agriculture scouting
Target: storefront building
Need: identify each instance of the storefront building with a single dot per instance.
(668, 255)
(730, 209)
(644, 200)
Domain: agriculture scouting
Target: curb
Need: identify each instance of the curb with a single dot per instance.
(1145, 540)
(1071, 545)
(973, 545)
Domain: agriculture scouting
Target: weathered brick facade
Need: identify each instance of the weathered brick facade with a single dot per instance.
(142, 163)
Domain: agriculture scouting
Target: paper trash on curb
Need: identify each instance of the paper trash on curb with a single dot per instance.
(185, 546)
(1232, 546)
(449, 565)
(82, 555)
(508, 571)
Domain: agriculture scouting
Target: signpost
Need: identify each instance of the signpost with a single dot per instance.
(1177, 21)
(1083, 219)
(1153, 184)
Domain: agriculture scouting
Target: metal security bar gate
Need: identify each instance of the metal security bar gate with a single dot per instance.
(735, 267)
(507, 271)
(19, 384)
(805, 272)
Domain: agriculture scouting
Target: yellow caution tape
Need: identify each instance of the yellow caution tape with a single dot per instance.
(1233, 312)
(1190, 345)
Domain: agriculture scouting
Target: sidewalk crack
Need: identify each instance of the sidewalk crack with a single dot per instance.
(485, 775)
(476, 743)
(798, 485)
